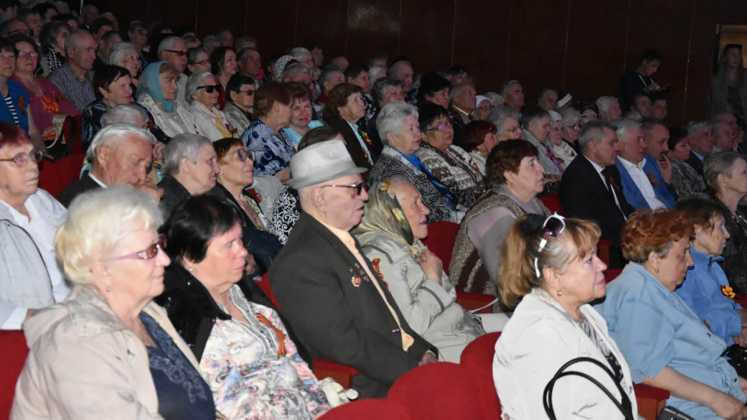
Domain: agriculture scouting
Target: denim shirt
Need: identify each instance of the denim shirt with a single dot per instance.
(655, 329)
(701, 291)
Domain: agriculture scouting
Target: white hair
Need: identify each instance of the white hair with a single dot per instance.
(89, 233)
(500, 114)
(116, 133)
(194, 81)
(570, 116)
(300, 53)
(129, 114)
(168, 43)
(295, 69)
(604, 103)
(695, 126)
(391, 118)
(119, 51)
(394, 68)
(182, 146)
(623, 127)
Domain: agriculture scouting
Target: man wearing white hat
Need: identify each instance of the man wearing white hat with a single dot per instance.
(331, 295)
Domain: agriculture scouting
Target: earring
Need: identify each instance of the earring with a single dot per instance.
(559, 292)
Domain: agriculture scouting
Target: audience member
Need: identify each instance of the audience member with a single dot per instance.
(264, 138)
(564, 152)
(506, 124)
(536, 131)
(725, 132)
(356, 320)
(664, 341)
(514, 178)
(198, 61)
(700, 138)
(223, 65)
(548, 99)
(344, 108)
(551, 274)
(301, 114)
(250, 63)
(157, 94)
(513, 97)
(570, 127)
(190, 168)
(640, 80)
(240, 92)
(72, 78)
(462, 103)
(172, 50)
(204, 114)
(29, 217)
(609, 109)
(390, 234)
(479, 139)
(402, 71)
(728, 89)
(118, 155)
(125, 55)
(685, 179)
(113, 86)
(52, 40)
(109, 348)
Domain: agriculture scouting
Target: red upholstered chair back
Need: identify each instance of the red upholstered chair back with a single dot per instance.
(14, 351)
(552, 202)
(55, 176)
(264, 284)
(440, 240)
(372, 409)
(478, 358)
(439, 391)
(611, 274)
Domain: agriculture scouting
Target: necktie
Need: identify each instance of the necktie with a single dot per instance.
(608, 179)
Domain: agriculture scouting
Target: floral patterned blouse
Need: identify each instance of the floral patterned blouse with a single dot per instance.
(270, 150)
(254, 369)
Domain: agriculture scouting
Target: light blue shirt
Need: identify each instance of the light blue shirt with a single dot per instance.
(294, 137)
(701, 290)
(654, 328)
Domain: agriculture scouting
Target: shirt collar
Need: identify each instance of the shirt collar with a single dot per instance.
(631, 165)
(599, 168)
(701, 258)
(96, 180)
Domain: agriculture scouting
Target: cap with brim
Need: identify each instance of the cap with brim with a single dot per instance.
(321, 162)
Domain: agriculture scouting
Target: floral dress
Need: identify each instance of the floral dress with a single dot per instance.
(271, 151)
(254, 369)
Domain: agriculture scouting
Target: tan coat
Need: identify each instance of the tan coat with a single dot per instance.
(85, 364)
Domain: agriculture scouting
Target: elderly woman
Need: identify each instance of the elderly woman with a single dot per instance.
(264, 138)
(29, 218)
(570, 127)
(157, 93)
(48, 105)
(726, 176)
(706, 289)
(52, 39)
(198, 60)
(506, 124)
(244, 351)
(113, 86)
(344, 108)
(551, 273)
(397, 124)
(125, 55)
(301, 113)
(390, 235)
(109, 348)
(205, 117)
(240, 92)
(190, 168)
(14, 109)
(562, 150)
(686, 181)
(223, 65)
(234, 186)
(514, 178)
(478, 140)
(448, 163)
(664, 341)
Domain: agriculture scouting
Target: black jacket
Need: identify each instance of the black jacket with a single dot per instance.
(263, 245)
(353, 145)
(85, 184)
(583, 195)
(336, 310)
(193, 311)
(174, 194)
(696, 163)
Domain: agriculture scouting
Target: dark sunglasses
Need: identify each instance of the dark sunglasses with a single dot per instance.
(359, 187)
(209, 88)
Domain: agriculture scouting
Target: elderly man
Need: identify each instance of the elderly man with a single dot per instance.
(513, 96)
(190, 168)
(643, 185)
(332, 296)
(700, 137)
(548, 99)
(590, 186)
(173, 50)
(609, 108)
(725, 132)
(72, 78)
(402, 70)
(250, 63)
(119, 154)
(462, 102)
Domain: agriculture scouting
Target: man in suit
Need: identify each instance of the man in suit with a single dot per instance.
(327, 290)
(590, 189)
(700, 136)
(119, 154)
(642, 182)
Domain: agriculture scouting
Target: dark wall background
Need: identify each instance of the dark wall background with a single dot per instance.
(581, 46)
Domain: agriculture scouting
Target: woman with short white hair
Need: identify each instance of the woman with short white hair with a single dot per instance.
(125, 55)
(206, 119)
(109, 348)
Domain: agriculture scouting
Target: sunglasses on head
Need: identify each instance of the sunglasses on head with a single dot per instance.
(209, 88)
(554, 225)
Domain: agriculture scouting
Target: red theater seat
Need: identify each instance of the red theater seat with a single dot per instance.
(373, 409)
(477, 357)
(14, 351)
(440, 240)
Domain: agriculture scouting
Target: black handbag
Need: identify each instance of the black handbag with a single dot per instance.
(737, 358)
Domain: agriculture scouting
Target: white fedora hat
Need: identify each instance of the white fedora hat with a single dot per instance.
(321, 162)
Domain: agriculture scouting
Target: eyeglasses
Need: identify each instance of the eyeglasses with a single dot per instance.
(359, 187)
(8, 55)
(22, 159)
(146, 254)
(201, 62)
(442, 125)
(180, 53)
(209, 88)
(554, 225)
(243, 155)
(28, 54)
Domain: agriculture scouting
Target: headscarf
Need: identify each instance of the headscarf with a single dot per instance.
(151, 84)
(279, 67)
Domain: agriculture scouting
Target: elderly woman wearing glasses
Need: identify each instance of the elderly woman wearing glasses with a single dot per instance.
(244, 351)
(29, 276)
(551, 269)
(666, 343)
(109, 350)
(203, 114)
(390, 234)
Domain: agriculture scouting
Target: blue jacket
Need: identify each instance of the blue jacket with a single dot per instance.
(701, 290)
(634, 196)
(21, 101)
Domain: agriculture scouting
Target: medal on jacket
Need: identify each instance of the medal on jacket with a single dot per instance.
(356, 280)
(728, 292)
